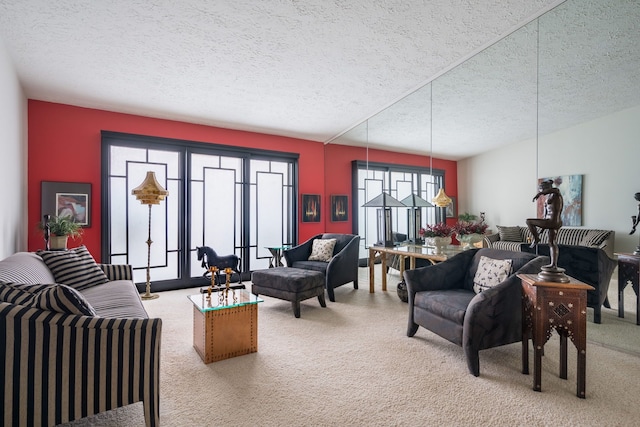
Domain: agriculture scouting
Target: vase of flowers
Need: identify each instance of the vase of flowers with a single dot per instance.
(437, 236)
(469, 233)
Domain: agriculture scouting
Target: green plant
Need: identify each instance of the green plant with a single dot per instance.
(63, 226)
(467, 217)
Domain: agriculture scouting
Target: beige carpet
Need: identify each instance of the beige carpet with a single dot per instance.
(352, 364)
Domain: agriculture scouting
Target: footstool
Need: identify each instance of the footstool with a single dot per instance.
(290, 284)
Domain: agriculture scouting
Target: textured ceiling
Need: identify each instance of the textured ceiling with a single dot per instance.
(309, 69)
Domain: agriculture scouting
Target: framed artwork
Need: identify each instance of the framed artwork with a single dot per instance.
(67, 199)
(451, 209)
(339, 208)
(310, 208)
(570, 187)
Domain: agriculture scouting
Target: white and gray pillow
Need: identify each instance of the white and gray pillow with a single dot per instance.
(322, 250)
(53, 297)
(491, 272)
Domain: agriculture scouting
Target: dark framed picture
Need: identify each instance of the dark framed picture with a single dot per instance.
(67, 199)
(310, 208)
(451, 209)
(339, 208)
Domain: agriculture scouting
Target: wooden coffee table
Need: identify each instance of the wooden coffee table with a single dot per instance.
(225, 327)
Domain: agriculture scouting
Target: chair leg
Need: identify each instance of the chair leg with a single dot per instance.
(296, 308)
(355, 284)
(332, 296)
(321, 300)
(412, 329)
(473, 363)
(597, 314)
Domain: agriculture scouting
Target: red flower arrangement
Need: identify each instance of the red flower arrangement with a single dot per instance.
(437, 230)
(465, 227)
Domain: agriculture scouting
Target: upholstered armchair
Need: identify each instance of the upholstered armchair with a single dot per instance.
(341, 269)
(442, 299)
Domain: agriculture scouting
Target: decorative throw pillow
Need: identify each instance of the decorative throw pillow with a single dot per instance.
(509, 234)
(490, 273)
(322, 250)
(595, 237)
(61, 299)
(75, 267)
(17, 293)
(52, 297)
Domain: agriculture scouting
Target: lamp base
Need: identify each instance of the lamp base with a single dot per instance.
(149, 296)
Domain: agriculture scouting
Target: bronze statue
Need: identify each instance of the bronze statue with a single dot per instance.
(635, 219)
(551, 220)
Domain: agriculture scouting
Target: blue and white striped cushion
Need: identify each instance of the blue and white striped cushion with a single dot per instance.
(75, 268)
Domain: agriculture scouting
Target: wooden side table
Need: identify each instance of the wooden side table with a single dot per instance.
(628, 272)
(547, 306)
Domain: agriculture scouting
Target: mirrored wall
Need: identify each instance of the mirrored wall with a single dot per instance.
(560, 95)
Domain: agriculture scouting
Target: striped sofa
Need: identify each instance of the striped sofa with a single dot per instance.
(58, 367)
(512, 238)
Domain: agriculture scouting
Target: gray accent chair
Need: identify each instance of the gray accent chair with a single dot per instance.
(340, 270)
(442, 300)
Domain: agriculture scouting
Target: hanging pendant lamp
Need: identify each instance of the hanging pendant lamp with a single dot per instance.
(441, 200)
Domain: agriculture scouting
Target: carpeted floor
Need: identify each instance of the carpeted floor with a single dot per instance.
(352, 364)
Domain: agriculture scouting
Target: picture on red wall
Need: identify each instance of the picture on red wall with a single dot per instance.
(72, 199)
(310, 208)
(339, 208)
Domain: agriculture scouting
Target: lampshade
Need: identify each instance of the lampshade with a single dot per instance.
(441, 200)
(150, 192)
(383, 201)
(413, 201)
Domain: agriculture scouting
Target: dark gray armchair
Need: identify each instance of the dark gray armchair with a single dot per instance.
(442, 300)
(341, 269)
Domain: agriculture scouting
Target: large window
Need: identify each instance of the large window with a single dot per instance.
(236, 201)
(371, 179)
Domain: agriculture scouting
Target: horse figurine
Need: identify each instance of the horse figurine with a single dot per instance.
(210, 258)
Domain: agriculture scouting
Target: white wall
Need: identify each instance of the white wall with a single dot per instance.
(13, 160)
(606, 151)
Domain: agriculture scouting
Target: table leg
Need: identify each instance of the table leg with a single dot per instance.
(525, 355)
(383, 262)
(563, 355)
(581, 373)
(537, 367)
(372, 260)
(622, 282)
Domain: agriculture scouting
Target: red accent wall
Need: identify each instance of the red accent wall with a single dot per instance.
(64, 145)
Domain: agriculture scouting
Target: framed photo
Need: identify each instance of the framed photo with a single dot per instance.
(67, 199)
(310, 208)
(339, 208)
(452, 208)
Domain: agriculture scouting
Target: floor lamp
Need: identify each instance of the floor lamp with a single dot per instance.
(150, 192)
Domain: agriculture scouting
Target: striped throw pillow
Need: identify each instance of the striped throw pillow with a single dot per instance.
(509, 234)
(75, 267)
(52, 297)
(595, 237)
(17, 293)
(61, 299)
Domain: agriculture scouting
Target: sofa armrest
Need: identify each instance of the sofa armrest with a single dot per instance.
(343, 266)
(494, 316)
(117, 271)
(300, 252)
(449, 274)
(79, 367)
(489, 239)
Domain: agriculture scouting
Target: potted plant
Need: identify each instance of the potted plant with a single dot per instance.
(469, 233)
(467, 217)
(438, 235)
(61, 228)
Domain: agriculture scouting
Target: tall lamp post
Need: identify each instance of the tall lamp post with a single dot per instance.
(150, 192)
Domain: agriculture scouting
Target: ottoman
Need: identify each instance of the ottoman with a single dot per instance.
(290, 284)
